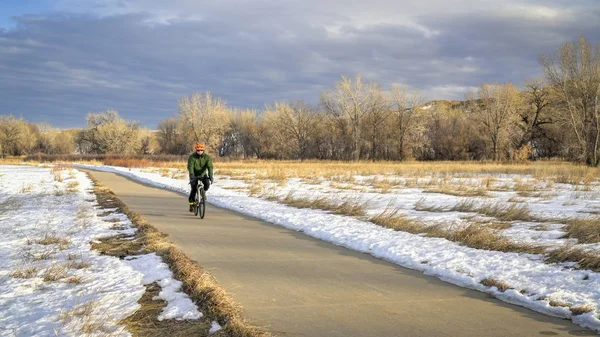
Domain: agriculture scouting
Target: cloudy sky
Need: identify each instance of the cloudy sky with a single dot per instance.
(60, 59)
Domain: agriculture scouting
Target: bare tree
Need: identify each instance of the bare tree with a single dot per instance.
(496, 111)
(63, 143)
(108, 133)
(378, 112)
(350, 101)
(204, 118)
(242, 137)
(404, 105)
(535, 112)
(574, 75)
(15, 136)
(296, 122)
(170, 137)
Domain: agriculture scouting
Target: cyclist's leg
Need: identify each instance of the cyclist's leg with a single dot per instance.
(206, 182)
(193, 191)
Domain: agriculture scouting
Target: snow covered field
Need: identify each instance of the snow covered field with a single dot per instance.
(51, 282)
(559, 289)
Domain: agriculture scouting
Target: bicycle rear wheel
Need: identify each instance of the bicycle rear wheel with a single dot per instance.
(202, 203)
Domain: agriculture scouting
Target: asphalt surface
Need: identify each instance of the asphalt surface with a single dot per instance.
(295, 285)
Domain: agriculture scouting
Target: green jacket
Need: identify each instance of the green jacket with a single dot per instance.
(197, 165)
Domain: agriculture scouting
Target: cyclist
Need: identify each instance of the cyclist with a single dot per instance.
(199, 167)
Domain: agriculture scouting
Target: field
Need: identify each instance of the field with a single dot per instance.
(527, 233)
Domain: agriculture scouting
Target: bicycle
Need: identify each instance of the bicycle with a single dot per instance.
(200, 200)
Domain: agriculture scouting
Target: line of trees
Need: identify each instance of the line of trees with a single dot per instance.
(554, 116)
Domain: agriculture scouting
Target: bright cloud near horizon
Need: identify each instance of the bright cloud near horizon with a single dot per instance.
(61, 59)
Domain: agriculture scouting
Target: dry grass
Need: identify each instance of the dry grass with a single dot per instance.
(74, 280)
(143, 322)
(90, 319)
(25, 272)
(45, 255)
(502, 212)
(584, 230)
(581, 309)
(119, 246)
(490, 282)
(396, 220)
(507, 213)
(584, 258)
(476, 236)
(465, 205)
(497, 225)
(11, 161)
(421, 206)
(458, 192)
(26, 188)
(562, 172)
(485, 237)
(55, 272)
(351, 208)
(51, 239)
(516, 199)
(202, 288)
(559, 303)
(78, 264)
(347, 207)
(73, 186)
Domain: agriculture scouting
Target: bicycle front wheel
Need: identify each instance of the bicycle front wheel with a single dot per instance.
(202, 203)
(196, 203)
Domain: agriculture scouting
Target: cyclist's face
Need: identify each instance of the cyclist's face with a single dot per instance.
(200, 151)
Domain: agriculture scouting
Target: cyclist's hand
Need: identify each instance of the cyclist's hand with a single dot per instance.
(211, 179)
(192, 176)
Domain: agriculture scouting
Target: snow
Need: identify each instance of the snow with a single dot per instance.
(36, 203)
(534, 282)
(214, 327)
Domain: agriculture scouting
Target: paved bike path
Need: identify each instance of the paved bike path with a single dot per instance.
(296, 285)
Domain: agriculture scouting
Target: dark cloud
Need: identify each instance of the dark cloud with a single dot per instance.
(59, 67)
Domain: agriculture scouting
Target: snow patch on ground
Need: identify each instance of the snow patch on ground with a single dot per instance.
(534, 282)
(36, 203)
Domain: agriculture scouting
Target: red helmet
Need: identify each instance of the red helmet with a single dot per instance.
(200, 146)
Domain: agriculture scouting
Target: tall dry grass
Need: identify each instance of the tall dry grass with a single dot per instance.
(478, 236)
(584, 230)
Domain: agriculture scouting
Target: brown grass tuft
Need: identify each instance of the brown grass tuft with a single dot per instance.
(497, 210)
(484, 237)
(585, 259)
(78, 264)
(55, 272)
(24, 272)
(394, 219)
(50, 239)
(584, 230)
(466, 205)
(490, 282)
(558, 303)
(477, 192)
(143, 322)
(74, 280)
(422, 207)
(26, 188)
(581, 309)
(73, 186)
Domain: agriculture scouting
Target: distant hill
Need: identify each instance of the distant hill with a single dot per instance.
(442, 105)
